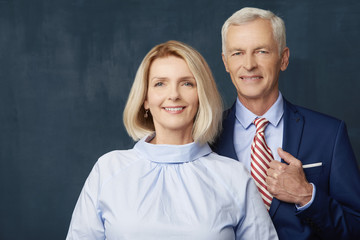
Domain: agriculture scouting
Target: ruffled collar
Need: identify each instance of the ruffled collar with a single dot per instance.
(164, 153)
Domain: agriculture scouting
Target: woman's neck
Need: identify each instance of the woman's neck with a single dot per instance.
(172, 137)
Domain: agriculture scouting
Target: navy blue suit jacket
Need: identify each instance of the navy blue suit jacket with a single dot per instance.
(313, 137)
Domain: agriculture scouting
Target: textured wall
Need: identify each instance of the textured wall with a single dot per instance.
(66, 68)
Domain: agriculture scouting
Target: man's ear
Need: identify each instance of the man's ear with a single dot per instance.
(285, 58)
(225, 62)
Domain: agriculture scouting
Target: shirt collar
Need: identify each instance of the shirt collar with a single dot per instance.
(163, 153)
(273, 115)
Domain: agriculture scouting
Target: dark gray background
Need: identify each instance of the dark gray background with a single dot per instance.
(66, 68)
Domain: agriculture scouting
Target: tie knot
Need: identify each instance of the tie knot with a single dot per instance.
(260, 124)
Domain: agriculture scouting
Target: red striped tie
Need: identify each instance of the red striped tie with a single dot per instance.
(261, 156)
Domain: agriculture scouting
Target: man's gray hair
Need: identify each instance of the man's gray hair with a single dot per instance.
(248, 14)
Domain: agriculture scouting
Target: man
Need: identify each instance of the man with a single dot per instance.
(312, 187)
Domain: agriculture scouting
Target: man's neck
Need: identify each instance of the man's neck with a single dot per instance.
(259, 106)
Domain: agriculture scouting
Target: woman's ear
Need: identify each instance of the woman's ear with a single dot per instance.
(146, 104)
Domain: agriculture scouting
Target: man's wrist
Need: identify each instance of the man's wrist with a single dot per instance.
(307, 196)
(309, 202)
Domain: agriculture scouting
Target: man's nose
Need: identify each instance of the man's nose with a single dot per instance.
(249, 62)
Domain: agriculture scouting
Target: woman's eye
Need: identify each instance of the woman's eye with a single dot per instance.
(159, 84)
(189, 84)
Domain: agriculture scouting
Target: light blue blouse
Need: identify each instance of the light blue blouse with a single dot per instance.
(170, 192)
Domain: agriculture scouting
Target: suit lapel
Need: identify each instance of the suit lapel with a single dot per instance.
(293, 128)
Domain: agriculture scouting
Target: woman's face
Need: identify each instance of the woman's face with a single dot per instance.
(172, 96)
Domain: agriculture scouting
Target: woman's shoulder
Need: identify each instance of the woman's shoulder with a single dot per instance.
(226, 161)
(118, 155)
(228, 167)
(115, 161)
(230, 173)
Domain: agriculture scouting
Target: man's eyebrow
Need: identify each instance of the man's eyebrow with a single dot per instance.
(262, 47)
(235, 49)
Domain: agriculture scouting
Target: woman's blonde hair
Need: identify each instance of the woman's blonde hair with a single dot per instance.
(207, 122)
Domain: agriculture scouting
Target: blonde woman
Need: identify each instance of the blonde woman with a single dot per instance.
(171, 185)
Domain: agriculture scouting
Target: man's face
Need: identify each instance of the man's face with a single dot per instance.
(253, 61)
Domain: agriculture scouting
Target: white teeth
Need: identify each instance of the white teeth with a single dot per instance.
(174, 109)
(251, 78)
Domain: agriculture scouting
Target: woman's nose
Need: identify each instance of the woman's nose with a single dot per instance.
(174, 93)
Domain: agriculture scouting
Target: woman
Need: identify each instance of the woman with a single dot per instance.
(171, 185)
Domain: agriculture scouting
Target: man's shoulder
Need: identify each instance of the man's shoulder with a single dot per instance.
(310, 116)
(229, 113)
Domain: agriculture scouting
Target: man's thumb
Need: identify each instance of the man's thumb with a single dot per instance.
(287, 157)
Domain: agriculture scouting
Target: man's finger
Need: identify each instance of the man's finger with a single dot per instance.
(275, 164)
(287, 157)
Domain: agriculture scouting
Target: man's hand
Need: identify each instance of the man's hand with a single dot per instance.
(288, 182)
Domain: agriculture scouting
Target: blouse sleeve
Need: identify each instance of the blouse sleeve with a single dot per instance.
(255, 222)
(86, 221)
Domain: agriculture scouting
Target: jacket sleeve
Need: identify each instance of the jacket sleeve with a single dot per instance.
(335, 211)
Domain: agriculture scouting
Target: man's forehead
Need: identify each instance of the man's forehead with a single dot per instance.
(252, 35)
